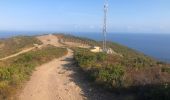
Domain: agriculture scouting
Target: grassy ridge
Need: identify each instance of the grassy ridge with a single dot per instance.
(147, 81)
(99, 67)
(16, 70)
(132, 58)
(15, 44)
(145, 77)
(71, 38)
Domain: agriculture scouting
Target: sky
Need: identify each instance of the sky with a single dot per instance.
(126, 16)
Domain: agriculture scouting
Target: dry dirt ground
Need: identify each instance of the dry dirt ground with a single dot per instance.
(49, 39)
(51, 81)
(73, 44)
(1, 45)
(16, 54)
(60, 79)
(45, 39)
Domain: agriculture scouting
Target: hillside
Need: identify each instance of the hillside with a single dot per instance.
(16, 70)
(124, 75)
(135, 72)
(15, 44)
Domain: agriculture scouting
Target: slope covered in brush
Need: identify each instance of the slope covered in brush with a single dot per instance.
(14, 71)
(12, 45)
(132, 72)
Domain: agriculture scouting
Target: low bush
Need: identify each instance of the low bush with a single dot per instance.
(110, 74)
(85, 58)
(101, 56)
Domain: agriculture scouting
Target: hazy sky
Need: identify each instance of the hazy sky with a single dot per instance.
(137, 16)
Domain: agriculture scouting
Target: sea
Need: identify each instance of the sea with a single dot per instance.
(154, 45)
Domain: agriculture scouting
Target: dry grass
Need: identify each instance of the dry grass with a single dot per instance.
(12, 45)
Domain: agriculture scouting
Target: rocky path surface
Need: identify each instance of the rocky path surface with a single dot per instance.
(61, 79)
(51, 81)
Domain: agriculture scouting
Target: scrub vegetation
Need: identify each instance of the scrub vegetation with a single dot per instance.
(18, 69)
(12, 45)
(133, 72)
(71, 38)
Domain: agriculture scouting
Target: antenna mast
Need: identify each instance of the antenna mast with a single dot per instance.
(105, 26)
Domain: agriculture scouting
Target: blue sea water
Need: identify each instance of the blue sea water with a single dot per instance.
(154, 45)
(7, 34)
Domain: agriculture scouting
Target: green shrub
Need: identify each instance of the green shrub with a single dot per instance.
(5, 74)
(85, 58)
(101, 56)
(112, 75)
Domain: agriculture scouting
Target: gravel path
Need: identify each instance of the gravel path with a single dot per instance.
(51, 81)
(61, 79)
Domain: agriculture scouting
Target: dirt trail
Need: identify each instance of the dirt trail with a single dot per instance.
(49, 39)
(45, 39)
(51, 81)
(60, 79)
(16, 54)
